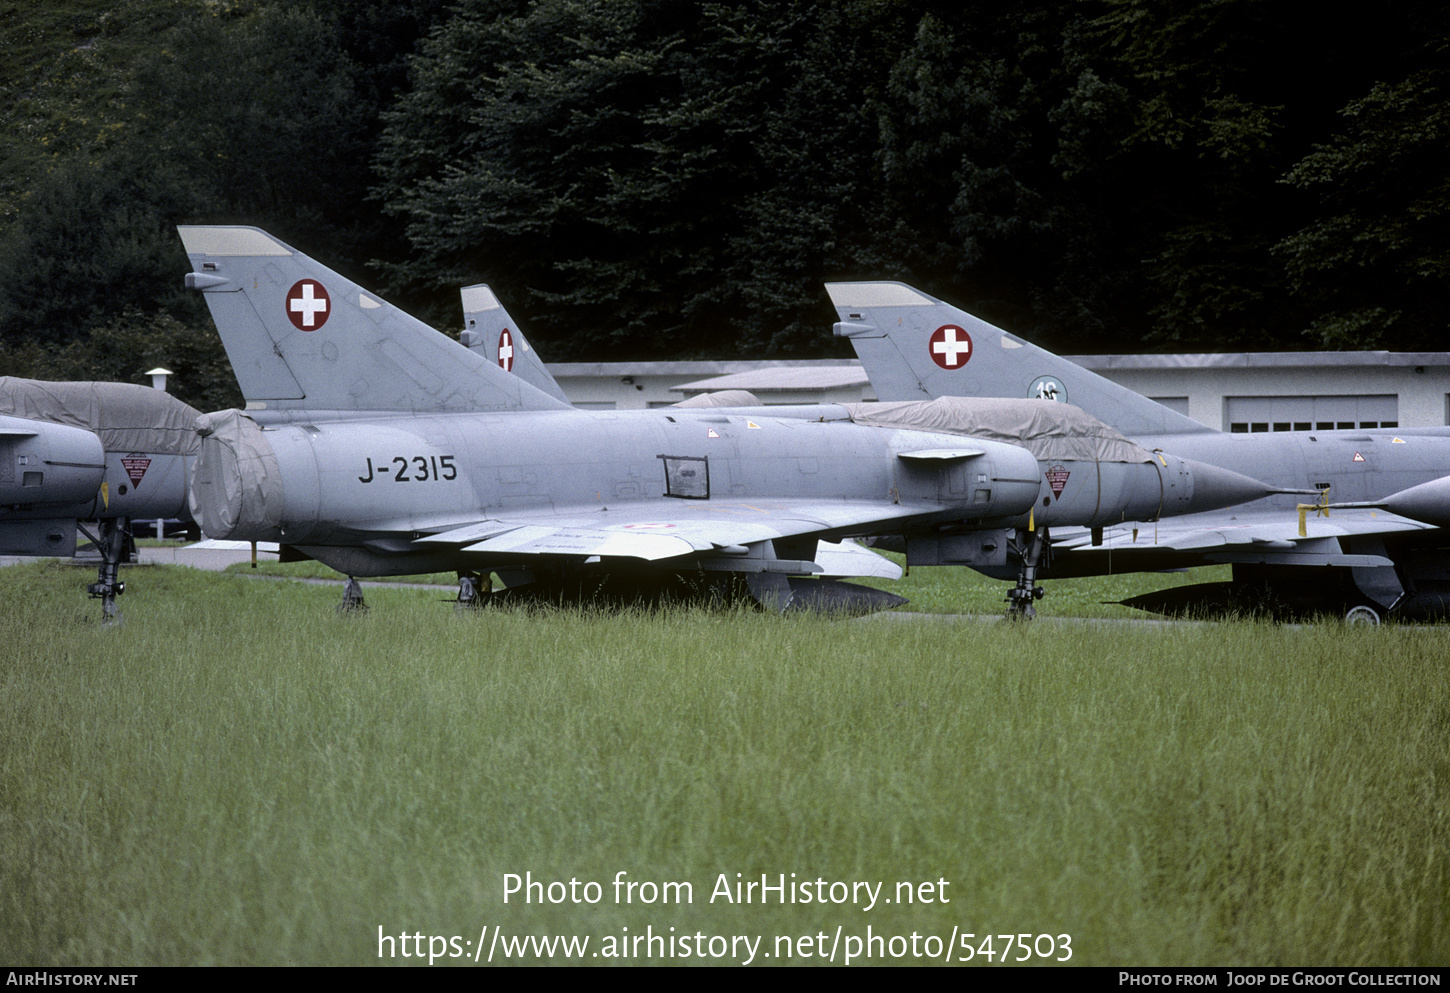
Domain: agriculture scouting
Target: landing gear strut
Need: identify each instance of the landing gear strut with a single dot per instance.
(352, 598)
(473, 590)
(111, 544)
(1032, 548)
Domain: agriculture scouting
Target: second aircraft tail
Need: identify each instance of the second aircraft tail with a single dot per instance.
(915, 347)
(488, 330)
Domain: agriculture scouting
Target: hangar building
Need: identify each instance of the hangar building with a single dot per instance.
(1231, 391)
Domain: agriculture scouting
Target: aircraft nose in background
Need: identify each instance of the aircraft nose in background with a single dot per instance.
(1428, 502)
(1215, 487)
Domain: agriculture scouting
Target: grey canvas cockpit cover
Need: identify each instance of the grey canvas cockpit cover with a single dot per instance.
(236, 486)
(126, 417)
(721, 398)
(1049, 430)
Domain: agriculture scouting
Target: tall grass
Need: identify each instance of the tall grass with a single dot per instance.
(237, 775)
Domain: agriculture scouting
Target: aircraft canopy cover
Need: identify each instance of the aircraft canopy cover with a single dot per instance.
(126, 417)
(1048, 429)
(721, 398)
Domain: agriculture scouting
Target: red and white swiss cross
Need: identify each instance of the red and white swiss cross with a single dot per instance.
(505, 350)
(950, 346)
(308, 305)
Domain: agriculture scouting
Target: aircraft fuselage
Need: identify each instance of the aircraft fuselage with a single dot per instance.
(397, 478)
(1351, 465)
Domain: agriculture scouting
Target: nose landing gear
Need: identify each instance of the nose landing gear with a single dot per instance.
(111, 544)
(1035, 553)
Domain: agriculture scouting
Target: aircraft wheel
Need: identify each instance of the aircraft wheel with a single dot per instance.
(1362, 615)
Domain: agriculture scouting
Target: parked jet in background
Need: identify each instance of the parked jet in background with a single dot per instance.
(73, 452)
(378, 446)
(1354, 559)
(488, 330)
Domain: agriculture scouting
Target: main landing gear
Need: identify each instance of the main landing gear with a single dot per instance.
(1362, 614)
(1035, 553)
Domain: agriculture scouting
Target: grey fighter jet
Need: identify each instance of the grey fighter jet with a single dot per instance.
(378, 446)
(104, 452)
(1377, 550)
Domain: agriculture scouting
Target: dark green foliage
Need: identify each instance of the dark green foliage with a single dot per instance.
(674, 179)
(975, 203)
(259, 121)
(1225, 97)
(90, 242)
(63, 73)
(249, 118)
(682, 183)
(378, 38)
(1375, 259)
(129, 346)
(654, 177)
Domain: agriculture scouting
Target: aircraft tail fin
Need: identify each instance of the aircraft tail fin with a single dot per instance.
(489, 331)
(302, 337)
(915, 347)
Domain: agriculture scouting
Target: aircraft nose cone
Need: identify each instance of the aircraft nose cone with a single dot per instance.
(1428, 502)
(1215, 487)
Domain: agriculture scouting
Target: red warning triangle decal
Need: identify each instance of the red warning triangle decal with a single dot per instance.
(136, 466)
(1057, 479)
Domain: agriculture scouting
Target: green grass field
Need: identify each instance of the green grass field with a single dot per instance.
(237, 775)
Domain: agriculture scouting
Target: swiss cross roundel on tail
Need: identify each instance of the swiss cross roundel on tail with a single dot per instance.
(505, 350)
(308, 305)
(950, 346)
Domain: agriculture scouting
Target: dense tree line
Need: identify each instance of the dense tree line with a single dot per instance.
(661, 178)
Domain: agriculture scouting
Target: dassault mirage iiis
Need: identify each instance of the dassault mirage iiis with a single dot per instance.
(378, 446)
(105, 452)
(1378, 549)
